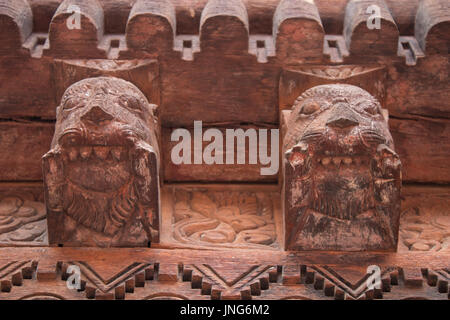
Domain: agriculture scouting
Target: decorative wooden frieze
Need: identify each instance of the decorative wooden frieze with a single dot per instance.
(22, 220)
(101, 174)
(134, 274)
(230, 217)
(342, 177)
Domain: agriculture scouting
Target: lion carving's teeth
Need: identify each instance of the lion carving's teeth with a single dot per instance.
(337, 161)
(85, 152)
(101, 152)
(341, 161)
(73, 154)
(96, 152)
(326, 161)
(116, 153)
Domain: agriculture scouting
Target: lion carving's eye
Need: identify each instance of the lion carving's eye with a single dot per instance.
(368, 107)
(71, 104)
(130, 102)
(372, 109)
(309, 108)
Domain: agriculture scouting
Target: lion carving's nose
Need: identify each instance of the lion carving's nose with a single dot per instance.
(96, 115)
(343, 117)
(342, 122)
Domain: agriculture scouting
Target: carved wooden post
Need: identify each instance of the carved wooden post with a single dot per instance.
(342, 176)
(101, 174)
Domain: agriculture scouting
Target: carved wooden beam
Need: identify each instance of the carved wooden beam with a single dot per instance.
(42, 273)
(101, 174)
(342, 175)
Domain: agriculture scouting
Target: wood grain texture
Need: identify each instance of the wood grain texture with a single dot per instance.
(431, 164)
(158, 274)
(30, 141)
(215, 172)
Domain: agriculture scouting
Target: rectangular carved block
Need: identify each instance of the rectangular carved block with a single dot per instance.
(101, 174)
(342, 178)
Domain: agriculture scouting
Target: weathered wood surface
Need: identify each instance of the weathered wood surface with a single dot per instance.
(230, 271)
(101, 175)
(425, 221)
(260, 14)
(221, 216)
(23, 145)
(231, 87)
(342, 176)
(182, 274)
(218, 216)
(215, 173)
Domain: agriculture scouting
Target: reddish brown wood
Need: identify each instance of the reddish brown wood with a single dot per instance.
(101, 174)
(231, 64)
(369, 42)
(224, 27)
(432, 26)
(76, 42)
(229, 87)
(150, 28)
(143, 73)
(296, 80)
(342, 177)
(16, 25)
(218, 275)
(298, 32)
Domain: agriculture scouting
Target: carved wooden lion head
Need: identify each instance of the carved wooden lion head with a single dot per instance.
(103, 152)
(339, 156)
